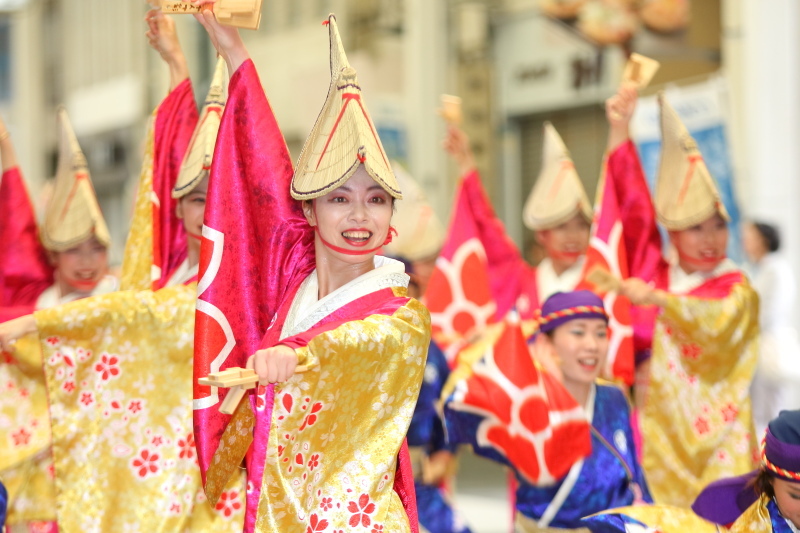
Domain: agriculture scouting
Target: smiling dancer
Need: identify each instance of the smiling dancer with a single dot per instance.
(323, 444)
(700, 314)
(767, 499)
(557, 210)
(572, 344)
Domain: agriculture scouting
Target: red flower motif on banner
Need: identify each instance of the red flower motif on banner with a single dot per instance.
(187, 447)
(361, 511)
(135, 406)
(146, 463)
(701, 425)
(607, 251)
(317, 524)
(68, 386)
(21, 437)
(107, 367)
(52, 341)
(527, 415)
(228, 503)
(313, 462)
(377, 528)
(459, 297)
(175, 508)
(327, 503)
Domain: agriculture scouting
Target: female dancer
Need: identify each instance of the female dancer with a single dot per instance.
(699, 315)
(325, 442)
(557, 210)
(767, 499)
(573, 339)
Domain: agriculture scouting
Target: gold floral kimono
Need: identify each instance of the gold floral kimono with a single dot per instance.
(365, 381)
(697, 424)
(118, 370)
(696, 419)
(26, 466)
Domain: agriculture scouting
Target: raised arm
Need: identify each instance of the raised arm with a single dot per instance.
(163, 39)
(25, 270)
(506, 265)
(226, 39)
(623, 168)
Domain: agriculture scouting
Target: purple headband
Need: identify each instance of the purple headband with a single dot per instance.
(725, 500)
(780, 449)
(562, 307)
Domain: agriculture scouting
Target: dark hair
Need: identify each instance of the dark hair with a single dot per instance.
(762, 484)
(770, 234)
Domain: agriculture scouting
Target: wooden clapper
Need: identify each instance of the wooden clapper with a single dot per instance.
(603, 280)
(639, 71)
(239, 13)
(239, 381)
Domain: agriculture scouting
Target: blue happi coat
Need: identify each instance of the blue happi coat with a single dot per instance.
(608, 478)
(436, 514)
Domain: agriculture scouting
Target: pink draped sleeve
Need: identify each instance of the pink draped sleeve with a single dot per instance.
(25, 271)
(256, 246)
(642, 239)
(509, 274)
(175, 122)
(640, 231)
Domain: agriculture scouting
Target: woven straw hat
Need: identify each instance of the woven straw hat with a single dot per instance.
(686, 194)
(420, 233)
(197, 162)
(73, 214)
(343, 137)
(558, 194)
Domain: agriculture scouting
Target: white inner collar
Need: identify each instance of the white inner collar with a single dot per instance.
(308, 309)
(682, 283)
(548, 282)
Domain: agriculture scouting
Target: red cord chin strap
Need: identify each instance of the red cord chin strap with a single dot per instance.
(346, 251)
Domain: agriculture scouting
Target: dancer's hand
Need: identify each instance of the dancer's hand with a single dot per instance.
(226, 39)
(640, 292)
(15, 329)
(163, 38)
(457, 145)
(273, 365)
(619, 112)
